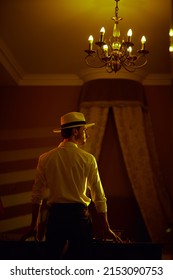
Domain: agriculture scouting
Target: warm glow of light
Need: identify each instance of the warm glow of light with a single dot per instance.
(171, 40)
(143, 40)
(102, 33)
(129, 49)
(90, 39)
(171, 32)
(102, 30)
(114, 52)
(105, 48)
(171, 48)
(129, 33)
(116, 45)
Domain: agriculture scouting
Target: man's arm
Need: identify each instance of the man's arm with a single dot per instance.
(32, 230)
(100, 201)
(35, 212)
(107, 232)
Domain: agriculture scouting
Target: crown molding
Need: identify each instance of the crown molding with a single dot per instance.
(154, 79)
(51, 80)
(9, 63)
(140, 76)
(158, 79)
(100, 73)
(22, 79)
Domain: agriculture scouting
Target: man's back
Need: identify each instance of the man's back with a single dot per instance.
(66, 171)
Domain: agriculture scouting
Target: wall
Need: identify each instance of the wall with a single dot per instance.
(28, 107)
(28, 115)
(160, 102)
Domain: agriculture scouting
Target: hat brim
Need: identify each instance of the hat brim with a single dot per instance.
(58, 130)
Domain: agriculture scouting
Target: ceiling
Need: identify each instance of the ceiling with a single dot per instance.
(42, 42)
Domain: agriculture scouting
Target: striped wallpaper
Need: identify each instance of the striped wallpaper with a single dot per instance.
(19, 151)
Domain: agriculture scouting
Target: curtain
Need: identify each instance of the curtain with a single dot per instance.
(97, 113)
(137, 144)
(140, 157)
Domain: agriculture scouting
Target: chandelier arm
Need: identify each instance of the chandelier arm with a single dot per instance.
(133, 66)
(91, 65)
(109, 68)
(124, 57)
(99, 56)
(130, 69)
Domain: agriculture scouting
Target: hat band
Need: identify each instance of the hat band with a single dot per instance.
(72, 124)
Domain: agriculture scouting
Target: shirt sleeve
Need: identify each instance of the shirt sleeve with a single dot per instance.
(39, 185)
(96, 188)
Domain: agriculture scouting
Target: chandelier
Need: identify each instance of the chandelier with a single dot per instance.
(113, 54)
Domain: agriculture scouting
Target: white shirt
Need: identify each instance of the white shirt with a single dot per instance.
(67, 172)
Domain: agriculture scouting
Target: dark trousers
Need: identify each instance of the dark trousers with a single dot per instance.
(69, 231)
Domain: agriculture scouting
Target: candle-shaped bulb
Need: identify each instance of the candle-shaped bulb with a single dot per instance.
(171, 40)
(102, 30)
(105, 48)
(129, 50)
(171, 32)
(143, 40)
(129, 35)
(102, 33)
(90, 40)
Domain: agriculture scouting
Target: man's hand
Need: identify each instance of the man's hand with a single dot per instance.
(109, 234)
(30, 232)
(32, 229)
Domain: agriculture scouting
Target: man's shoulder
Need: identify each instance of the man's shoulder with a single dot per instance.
(48, 153)
(87, 154)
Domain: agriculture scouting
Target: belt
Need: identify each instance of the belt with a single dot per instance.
(68, 206)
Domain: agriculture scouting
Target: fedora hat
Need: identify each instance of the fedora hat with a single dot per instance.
(72, 119)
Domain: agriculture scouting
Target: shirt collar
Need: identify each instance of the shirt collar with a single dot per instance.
(68, 144)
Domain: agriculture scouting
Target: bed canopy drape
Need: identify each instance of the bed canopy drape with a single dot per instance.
(126, 98)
